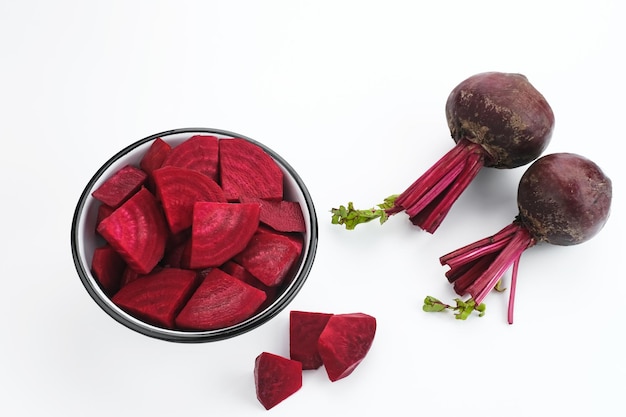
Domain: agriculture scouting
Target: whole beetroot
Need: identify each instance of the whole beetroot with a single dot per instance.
(497, 120)
(563, 199)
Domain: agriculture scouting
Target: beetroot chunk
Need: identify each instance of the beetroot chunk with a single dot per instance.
(247, 170)
(282, 216)
(220, 301)
(108, 268)
(199, 153)
(120, 186)
(269, 257)
(276, 378)
(137, 230)
(179, 189)
(157, 297)
(344, 343)
(304, 331)
(220, 231)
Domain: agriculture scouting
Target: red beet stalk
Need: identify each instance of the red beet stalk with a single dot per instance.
(497, 120)
(563, 199)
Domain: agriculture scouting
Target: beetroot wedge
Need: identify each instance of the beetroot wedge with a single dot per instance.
(179, 189)
(157, 298)
(269, 257)
(344, 343)
(137, 230)
(220, 301)
(304, 331)
(247, 170)
(220, 231)
(108, 268)
(199, 153)
(154, 157)
(283, 215)
(120, 186)
(276, 378)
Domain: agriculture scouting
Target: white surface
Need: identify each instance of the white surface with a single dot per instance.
(352, 95)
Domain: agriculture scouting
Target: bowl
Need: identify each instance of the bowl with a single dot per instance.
(85, 239)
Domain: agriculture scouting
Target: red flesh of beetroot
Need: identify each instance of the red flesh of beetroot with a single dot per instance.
(563, 199)
(199, 153)
(269, 257)
(282, 216)
(276, 378)
(153, 159)
(158, 297)
(137, 230)
(344, 343)
(152, 232)
(220, 301)
(179, 189)
(304, 331)
(497, 120)
(247, 170)
(117, 189)
(108, 267)
(220, 231)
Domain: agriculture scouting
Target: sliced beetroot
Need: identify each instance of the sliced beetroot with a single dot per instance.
(344, 343)
(137, 230)
(233, 268)
(179, 189)
(157, 297)
(269, 257)
(276, 378)
(283, 215)
(108, 268)
(304, 331)
(155, 156)
(103, 212)
(120, 186)
(247, 170)
(219, 301)
(220, 231)
(199, 153)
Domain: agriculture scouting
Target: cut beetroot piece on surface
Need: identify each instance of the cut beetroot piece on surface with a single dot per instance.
(219, 301)
(120, 186)
(269, 257)
(276, 378)
(157, 297)
(282, 216)
(108, 268)
(137, 230)
(304, 332)
(155, 156)
(179, 189)
(246, 169)
(199, 153)
(344, 343)
(220, 231)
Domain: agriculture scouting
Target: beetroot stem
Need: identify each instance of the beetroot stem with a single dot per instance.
(427, 200)
(479, 248)
(512, 290)
(519, 242)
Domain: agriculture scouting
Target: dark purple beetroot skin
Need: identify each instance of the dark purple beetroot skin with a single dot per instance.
(564, 199)
(504, 114)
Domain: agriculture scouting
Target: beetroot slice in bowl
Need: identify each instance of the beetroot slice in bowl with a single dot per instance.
(282, 216)
(158, 297)
(247, 170)
(122, 184)
(179, 189)
(220, 231)
(137, 230)
(199, 153)
(269, 257)
(221, 300)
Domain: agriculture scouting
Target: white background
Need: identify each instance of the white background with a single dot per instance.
(351, 93)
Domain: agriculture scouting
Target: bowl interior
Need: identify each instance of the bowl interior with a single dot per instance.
(84, 240)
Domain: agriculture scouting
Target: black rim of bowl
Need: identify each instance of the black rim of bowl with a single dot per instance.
(255, 321)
